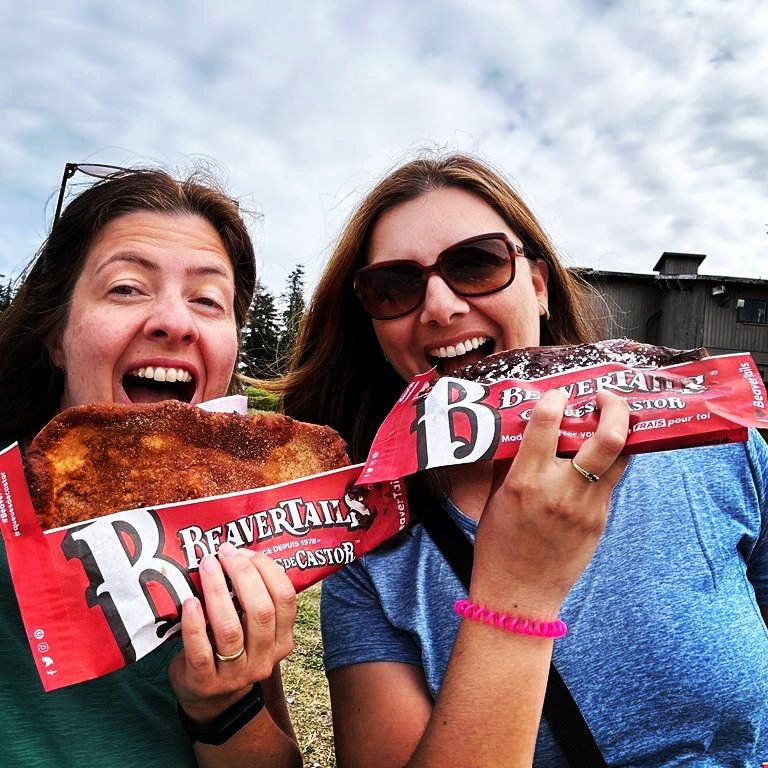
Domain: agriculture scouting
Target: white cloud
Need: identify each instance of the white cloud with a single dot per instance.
(631, 128)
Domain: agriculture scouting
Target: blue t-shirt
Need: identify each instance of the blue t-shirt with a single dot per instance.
(666, 653)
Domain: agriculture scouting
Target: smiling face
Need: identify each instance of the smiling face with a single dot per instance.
(448, 330)
(151, 316)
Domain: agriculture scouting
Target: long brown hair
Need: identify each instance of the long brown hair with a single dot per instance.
(30, 385)
(338, 375)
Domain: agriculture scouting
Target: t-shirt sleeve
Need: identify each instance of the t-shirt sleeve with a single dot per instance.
(349, 602)
(757, 564)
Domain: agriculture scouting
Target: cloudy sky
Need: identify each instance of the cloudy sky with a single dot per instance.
(630, 126)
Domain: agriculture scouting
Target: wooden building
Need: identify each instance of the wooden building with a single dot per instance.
(678, 307)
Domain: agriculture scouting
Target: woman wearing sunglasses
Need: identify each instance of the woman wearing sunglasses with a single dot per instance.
(657, 565)
(138, 295)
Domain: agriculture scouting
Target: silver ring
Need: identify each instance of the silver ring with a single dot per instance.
(231, 657)
(585, 473)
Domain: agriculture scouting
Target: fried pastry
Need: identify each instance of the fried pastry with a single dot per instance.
(95, 459)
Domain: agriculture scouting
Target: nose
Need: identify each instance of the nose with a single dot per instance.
(441, 305)
(171, 319)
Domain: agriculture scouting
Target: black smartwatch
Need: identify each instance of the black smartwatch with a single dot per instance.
(228, 723)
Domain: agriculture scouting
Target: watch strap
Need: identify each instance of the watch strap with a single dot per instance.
(228, 723)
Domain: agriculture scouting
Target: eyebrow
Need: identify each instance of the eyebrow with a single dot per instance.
(152, 266)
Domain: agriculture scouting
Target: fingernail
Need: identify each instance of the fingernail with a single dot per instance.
(208, 564)
(227, 550)
(191, 606)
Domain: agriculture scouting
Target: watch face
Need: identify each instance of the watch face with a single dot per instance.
(228, 723)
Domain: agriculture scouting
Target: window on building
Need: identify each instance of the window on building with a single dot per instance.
(754, 311)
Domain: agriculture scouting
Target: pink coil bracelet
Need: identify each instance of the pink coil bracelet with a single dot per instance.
(533, 627)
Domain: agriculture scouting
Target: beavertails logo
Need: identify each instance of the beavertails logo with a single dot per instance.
(136, 555)
(460, 421)
(295, 517)
(624, 382)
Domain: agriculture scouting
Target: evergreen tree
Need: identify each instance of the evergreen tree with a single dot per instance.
(261, 336)
(294, 311)
(6, 294)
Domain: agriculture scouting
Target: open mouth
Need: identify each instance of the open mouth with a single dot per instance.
(449, 359)
(153, 384)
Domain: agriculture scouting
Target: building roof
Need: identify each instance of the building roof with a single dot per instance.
(587, 272)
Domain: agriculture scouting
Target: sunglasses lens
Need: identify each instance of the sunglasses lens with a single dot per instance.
(391, 290)
(101, 171)
(477, 268)
(474, 267)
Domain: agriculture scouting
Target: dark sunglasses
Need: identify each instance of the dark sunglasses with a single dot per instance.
(97, 171)
(477, 266)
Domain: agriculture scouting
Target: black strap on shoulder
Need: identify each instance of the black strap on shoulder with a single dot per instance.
(560, 710)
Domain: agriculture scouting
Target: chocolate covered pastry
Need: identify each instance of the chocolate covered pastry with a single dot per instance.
(535, 362)
(95, 459)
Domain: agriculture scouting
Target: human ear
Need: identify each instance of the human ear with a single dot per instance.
(540, 278)
(55, 350)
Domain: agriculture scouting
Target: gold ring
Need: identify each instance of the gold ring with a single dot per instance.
(231, 657)
(585, 473)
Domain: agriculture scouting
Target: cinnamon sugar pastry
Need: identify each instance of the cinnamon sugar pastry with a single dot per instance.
(95, 459)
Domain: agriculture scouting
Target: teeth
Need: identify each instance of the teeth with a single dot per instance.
(162, 374)
(459, 349)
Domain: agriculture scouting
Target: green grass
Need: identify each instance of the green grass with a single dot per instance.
(259, 400)
(306, 689)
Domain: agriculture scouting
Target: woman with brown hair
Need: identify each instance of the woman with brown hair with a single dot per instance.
(138, 295)
(657, 565)
(349, 360)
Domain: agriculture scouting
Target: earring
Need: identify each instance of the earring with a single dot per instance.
(546, 310)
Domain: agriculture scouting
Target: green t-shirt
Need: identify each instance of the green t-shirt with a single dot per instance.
(127, 718)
